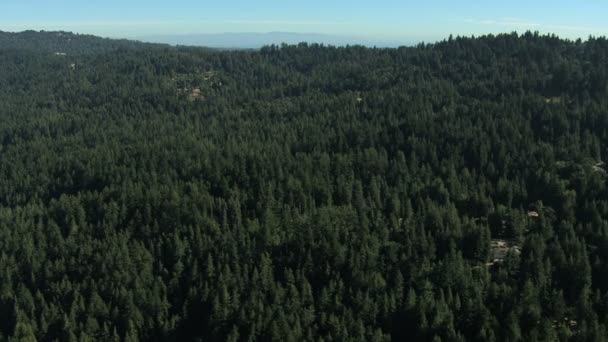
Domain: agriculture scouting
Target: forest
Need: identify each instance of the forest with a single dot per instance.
(453, 191)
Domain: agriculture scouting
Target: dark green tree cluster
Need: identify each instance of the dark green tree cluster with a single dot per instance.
(303, 192)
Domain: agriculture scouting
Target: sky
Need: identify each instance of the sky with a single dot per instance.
(422, 20)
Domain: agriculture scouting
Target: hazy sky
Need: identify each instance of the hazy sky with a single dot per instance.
(377, 19)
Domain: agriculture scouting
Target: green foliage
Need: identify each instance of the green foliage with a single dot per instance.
(308, 193)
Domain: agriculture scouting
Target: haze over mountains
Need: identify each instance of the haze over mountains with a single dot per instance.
(253, 40)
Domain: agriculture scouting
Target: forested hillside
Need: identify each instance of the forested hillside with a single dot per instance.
(446, 192)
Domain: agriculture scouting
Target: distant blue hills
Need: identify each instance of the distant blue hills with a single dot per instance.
(257, 40)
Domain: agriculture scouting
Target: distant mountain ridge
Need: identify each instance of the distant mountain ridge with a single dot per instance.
(74, 43)
(248, 40)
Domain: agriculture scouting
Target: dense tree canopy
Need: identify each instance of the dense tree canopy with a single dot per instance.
(303, 192)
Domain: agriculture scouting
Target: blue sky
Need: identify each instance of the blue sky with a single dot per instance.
(426, 20)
